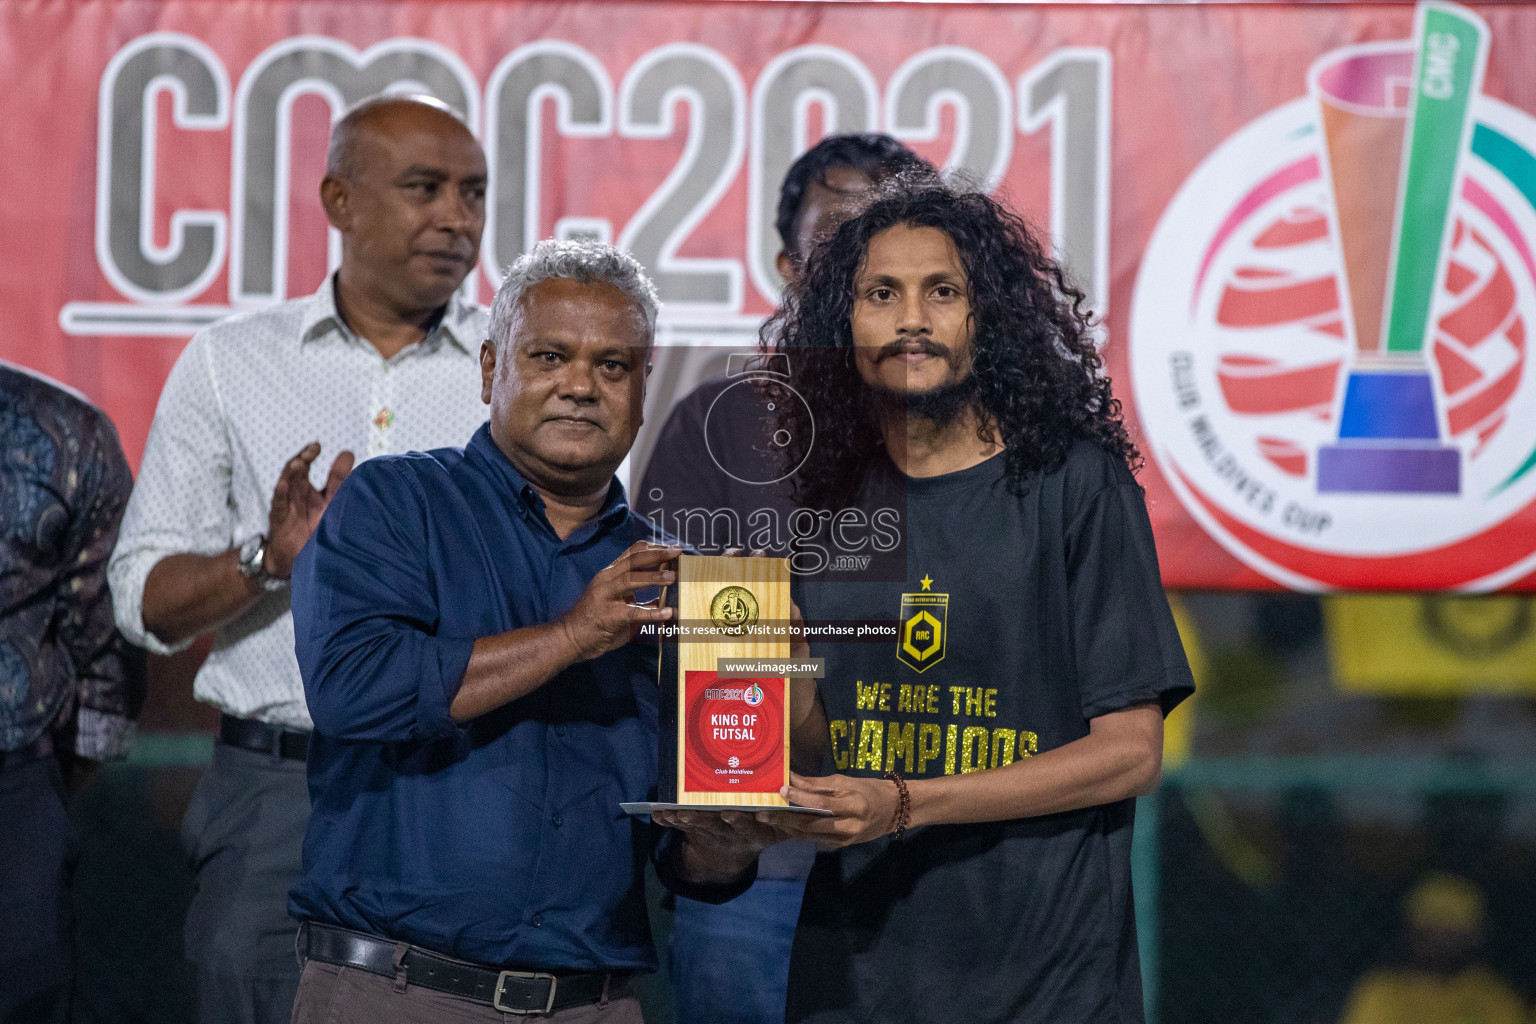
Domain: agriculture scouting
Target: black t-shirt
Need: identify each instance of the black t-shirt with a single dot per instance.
(1022, 617)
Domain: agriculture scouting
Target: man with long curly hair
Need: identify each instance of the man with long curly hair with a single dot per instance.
(977, 863)
(728, 962)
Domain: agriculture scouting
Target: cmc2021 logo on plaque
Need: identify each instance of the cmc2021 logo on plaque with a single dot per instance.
(1330, 330)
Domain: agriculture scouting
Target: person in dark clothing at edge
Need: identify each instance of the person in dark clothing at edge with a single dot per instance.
(977, 865)
(70, 686)
(464, 627)
(715, 454)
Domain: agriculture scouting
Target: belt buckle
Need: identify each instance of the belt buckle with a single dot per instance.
(501, 982)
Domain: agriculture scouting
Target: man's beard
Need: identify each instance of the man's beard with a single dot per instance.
(941, 406)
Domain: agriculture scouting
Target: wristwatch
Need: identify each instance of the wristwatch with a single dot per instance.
(253, 555)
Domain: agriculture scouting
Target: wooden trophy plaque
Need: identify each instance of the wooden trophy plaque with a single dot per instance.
(724, 740)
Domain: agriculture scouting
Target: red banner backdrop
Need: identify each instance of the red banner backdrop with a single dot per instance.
(1202, 170)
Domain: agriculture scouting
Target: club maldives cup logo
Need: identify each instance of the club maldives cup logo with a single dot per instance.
(1329, 332)
(735, 734)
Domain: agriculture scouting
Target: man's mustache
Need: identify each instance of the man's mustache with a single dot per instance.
(901, 346)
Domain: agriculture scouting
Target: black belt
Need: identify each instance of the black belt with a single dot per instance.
(35, 751)
(520, 992)
(249, 734)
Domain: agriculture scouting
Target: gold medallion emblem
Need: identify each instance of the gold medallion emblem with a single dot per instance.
(733, 609)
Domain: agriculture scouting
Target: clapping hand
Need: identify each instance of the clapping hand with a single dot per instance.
(297, 507)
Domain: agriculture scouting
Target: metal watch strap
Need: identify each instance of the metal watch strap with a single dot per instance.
(253, 555)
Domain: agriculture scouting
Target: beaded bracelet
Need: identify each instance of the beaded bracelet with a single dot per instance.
(903, 809)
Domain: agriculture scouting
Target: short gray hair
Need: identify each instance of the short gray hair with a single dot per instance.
(580, 260)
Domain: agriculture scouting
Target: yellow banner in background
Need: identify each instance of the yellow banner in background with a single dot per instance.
(1432, 645)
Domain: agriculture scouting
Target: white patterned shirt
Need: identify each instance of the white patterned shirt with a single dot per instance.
(245, 395)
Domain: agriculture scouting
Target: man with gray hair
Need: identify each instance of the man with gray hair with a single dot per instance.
(464, 625)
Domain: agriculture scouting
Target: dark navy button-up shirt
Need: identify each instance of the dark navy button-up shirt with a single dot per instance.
(500, 840)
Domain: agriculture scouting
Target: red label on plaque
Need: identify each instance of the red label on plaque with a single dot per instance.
(735, 734)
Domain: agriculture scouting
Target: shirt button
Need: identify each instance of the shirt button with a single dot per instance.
(560, 731)
(537, 920)
(556, 820)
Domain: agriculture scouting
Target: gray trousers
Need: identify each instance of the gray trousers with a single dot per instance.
(244, 832)
(345, 995)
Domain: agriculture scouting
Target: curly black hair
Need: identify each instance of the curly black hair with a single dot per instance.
(1039, 380)
(873, 155)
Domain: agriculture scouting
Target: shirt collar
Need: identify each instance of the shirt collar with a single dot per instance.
(458, 321)
(483, 449)
(461, 325)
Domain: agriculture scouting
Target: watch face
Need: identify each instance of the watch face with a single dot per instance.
(251, 553)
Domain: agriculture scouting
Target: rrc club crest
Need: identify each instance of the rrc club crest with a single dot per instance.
(1329, 330)
(924, 625)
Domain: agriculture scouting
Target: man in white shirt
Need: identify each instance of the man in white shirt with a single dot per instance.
(382, 359)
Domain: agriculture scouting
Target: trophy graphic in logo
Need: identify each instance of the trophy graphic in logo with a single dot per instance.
(1395, 120)
(1330, 333)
